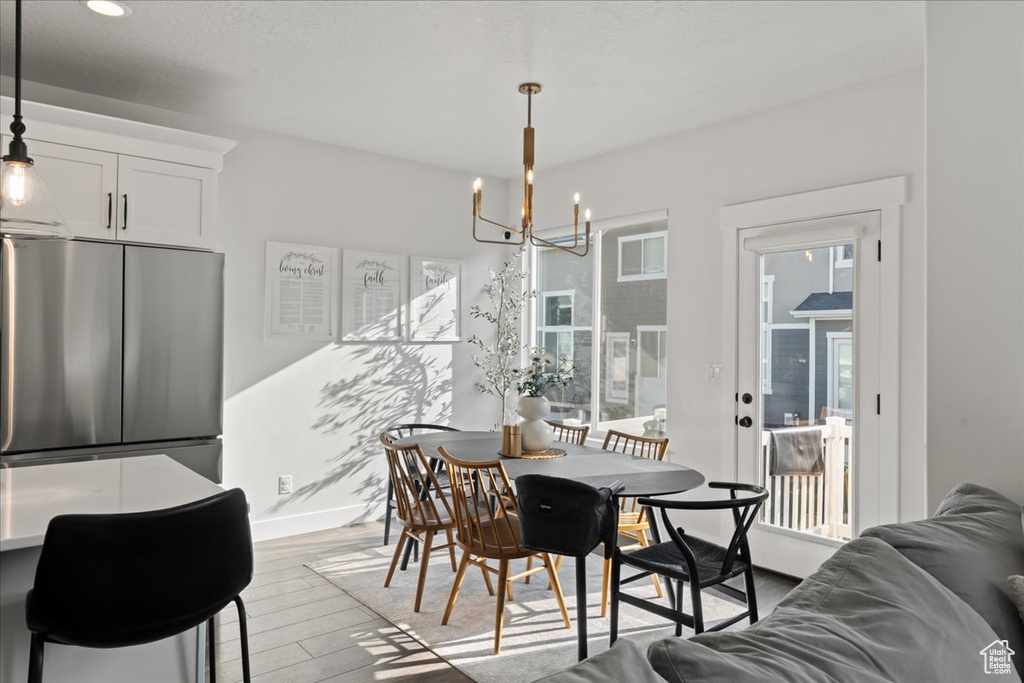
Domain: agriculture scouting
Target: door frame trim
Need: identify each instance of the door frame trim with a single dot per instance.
(886, 196)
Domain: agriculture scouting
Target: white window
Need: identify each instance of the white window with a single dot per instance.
(616, 380)
(643, 257)
(840, 372)
(843, 256)
(556, 329)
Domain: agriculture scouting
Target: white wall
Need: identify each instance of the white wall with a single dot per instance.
(975, 95)
(314, 410)
(868, 131)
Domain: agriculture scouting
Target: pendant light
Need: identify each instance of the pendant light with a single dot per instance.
(580, 244)
(26, 208)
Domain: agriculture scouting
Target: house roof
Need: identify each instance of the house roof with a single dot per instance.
(823, 301)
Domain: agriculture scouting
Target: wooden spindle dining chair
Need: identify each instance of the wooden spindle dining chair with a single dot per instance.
(487, 528)
(421, 506)
(570, 433)
(633, 522)
(394, 433)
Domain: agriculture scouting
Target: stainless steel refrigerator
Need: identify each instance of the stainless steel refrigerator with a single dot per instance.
(110, 350)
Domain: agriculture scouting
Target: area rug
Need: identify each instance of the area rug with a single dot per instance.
(535, 642)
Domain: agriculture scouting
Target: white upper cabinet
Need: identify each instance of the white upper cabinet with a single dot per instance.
(113, 179)
(83, 184)
(160, 202)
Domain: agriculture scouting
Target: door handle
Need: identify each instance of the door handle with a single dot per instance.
(745, 422)
(125, 226)
(110, 209)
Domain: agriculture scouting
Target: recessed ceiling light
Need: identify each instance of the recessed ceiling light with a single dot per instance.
(108, 8)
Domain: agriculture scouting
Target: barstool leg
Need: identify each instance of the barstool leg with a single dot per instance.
(35, 662)
(244, 637)
(613, 627)
(581, 607)
(211, 650)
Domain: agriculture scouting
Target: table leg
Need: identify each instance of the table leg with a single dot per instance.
(201, 653)
(652, 519)
(581, 607)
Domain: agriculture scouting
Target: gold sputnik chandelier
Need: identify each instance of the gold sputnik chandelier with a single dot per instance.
(525, 231)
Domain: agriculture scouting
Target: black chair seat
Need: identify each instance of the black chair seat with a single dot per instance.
(666, 559)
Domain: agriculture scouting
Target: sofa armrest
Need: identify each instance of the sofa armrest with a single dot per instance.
(624, 661)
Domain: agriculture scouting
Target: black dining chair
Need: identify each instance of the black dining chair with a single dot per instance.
(567, 517)
(400, 431)
(116, 580)
(689, 559)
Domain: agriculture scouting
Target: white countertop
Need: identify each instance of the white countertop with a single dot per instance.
(31, 496)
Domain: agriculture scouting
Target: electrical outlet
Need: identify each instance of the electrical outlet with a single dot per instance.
(713, 372)
(284, 485)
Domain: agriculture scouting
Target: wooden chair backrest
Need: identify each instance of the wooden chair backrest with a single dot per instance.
(570, 433)
(417, 491)
(486, 517)
(640, 446)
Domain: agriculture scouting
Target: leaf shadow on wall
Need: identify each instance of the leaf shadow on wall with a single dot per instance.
(396, 383)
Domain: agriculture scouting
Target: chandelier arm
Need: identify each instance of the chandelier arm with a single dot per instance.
(541, 242)
(522, 238)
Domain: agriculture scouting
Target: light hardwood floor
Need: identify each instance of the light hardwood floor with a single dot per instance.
(304, 629)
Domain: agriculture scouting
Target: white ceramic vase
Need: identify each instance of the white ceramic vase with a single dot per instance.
(537, 434)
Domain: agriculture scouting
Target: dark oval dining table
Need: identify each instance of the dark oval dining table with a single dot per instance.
(594, 466)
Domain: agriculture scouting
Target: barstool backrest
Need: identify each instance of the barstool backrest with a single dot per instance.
(114, 580)
(566, 517)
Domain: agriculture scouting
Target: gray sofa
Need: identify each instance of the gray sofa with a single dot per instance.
(905, 602)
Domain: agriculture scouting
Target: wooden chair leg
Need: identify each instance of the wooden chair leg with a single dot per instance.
(558, 567)
(499, 611)
(529, 566)
(397, 555)
(243, 635)
(388, 508)
(605, 580)
(509, 595)
(487, 578)
(451, 550)
(211, 649)
(35, 661)
(642, 538)
(459, 576)
(549, 564)
(428, 542)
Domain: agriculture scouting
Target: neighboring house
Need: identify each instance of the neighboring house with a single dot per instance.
(807, 336)
(631, 377)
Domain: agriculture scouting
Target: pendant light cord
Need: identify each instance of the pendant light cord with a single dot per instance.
(17, 127)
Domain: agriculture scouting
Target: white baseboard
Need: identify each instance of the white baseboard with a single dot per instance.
(278, 527)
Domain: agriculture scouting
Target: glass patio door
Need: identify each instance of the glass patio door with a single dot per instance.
(807, 384)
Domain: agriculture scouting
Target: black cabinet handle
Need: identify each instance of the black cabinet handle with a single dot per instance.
(125, 226)
(110, 209)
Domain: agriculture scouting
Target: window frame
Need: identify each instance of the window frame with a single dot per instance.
(611, 339)
(643, 237)
(767, 287)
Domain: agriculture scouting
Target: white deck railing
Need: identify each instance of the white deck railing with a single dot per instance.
(817, 504)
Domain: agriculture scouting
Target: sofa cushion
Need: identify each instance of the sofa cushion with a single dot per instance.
(623, 661)
(1017, 593)
(866, 615)
(974, 543)
(975, 498)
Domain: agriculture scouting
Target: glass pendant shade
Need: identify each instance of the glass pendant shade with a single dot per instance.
(26, 207)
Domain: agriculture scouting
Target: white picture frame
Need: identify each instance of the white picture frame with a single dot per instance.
(299, 293)
(372, 301)
(435, 300)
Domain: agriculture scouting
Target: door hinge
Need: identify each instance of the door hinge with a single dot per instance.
(878, 404)
(879, 251)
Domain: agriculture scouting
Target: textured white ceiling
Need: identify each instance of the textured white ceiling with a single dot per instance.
(436, 81)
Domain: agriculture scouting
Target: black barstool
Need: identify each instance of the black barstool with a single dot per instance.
(116, 580)
(567, 517)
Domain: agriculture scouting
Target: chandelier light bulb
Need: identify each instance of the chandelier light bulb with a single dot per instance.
(576, 198)
(477, 184)
(586, 215)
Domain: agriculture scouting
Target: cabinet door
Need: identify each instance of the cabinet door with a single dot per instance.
(83, 184)
(160, 202)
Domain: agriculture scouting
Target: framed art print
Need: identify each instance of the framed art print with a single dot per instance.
(434, 300)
